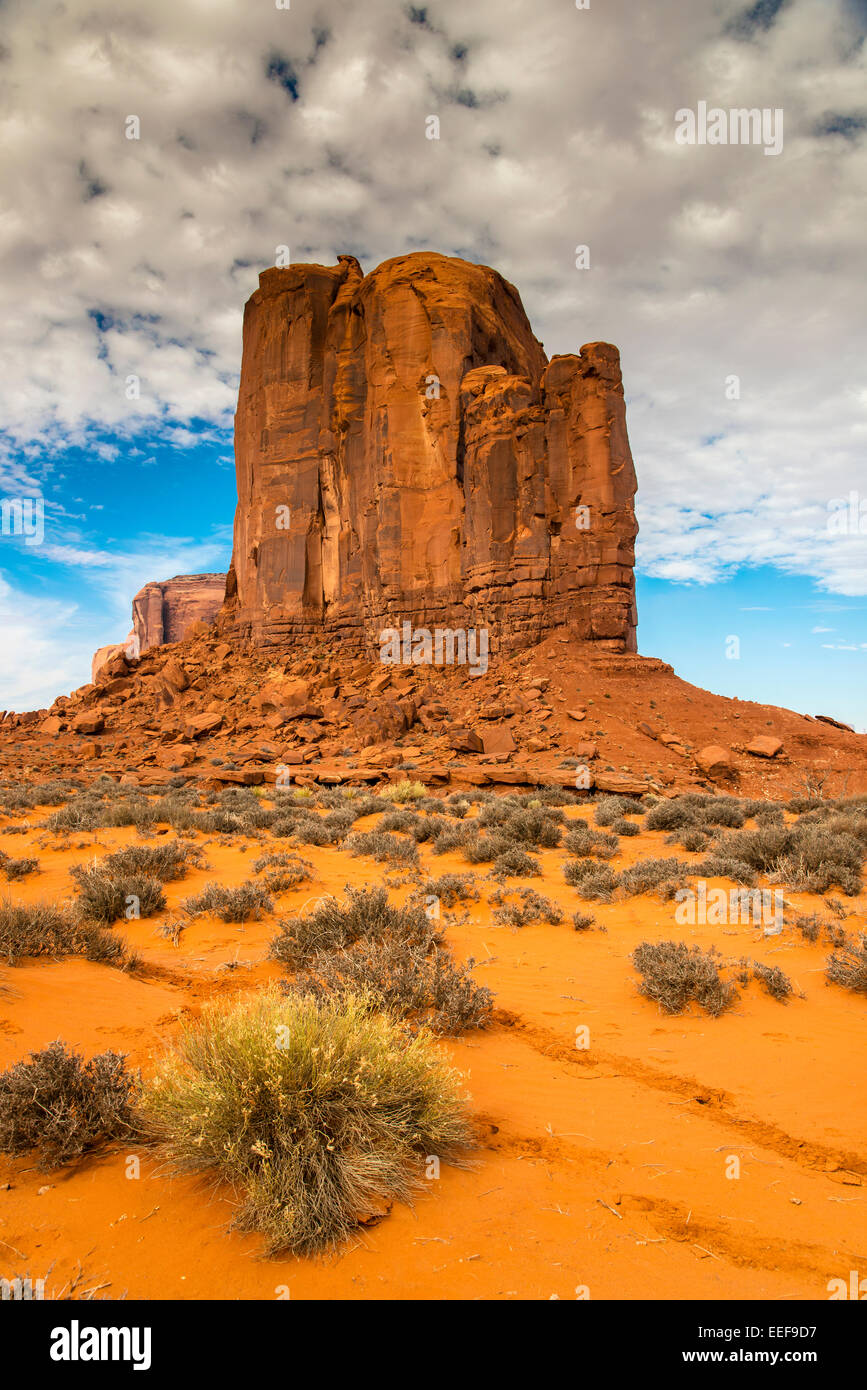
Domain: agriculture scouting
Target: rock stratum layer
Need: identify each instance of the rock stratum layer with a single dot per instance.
(406, 451)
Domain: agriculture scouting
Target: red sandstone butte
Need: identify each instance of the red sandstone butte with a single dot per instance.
(165, 611)
(405, 451)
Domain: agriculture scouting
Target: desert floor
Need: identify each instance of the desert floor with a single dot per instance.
(601, 1168)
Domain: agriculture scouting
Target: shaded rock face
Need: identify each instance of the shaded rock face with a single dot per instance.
(405, 451)
(128, 649)
(164, 611)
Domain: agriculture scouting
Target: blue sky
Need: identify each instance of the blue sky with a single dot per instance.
(262, 128)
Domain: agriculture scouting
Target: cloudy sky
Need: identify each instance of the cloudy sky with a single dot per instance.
(306, 127)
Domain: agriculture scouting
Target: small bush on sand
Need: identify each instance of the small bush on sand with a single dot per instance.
(42, 929)
(690, 838)
(365, 914)
(593, 881)
(583, 921)
(625, 827)
(385, 848)
(61, 1107)
(535, 826)
(612, 808)
(531, 907)
(482, 849)
(243, 903)
(167, 862)
(318, 1111)
(17, 868)
(418, 982)
(105, 897)
(515, 862)
(583, 840)
(404, 791)
(452, 889)
(774, 980)
(848, 966)
(645, 875)
(674, 975)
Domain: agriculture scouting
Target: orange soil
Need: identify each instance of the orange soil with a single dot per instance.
(602, 1169)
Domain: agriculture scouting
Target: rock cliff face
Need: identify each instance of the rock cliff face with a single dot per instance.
(164, 611)
(404, 450)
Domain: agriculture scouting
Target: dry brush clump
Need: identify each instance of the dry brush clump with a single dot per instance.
(451, 889)
(29, 930)
(774, 980)
(168, 862)
(674, 975)
(239, 903)
(319, 1112)
(62, 1107)
(365, 914)
(808, 855)
(418, 982)
(106, 897)
(582, 841)
(384, 847)
(848, 966)
(595, 882)
(522, 907)
(395, 953)
(14, 869)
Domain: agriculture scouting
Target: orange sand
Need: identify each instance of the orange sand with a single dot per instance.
(601, 1169)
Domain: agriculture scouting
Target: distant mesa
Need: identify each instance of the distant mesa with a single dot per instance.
(405, 451)
(164, 611)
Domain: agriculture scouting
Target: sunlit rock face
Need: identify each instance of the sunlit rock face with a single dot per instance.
(406, 451)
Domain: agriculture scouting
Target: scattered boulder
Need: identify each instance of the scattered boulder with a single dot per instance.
(90, 722)
(199, 725)
(715, 762)
(764, 746)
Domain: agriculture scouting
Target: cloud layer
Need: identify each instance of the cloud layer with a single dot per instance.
(306, 127)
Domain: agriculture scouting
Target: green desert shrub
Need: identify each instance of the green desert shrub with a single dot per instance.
(105, 897)
(404, 791)
(59, 1106)
(318, 1111)
(810, 857)
(691, 838)
(241, 903)
(674, 975)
